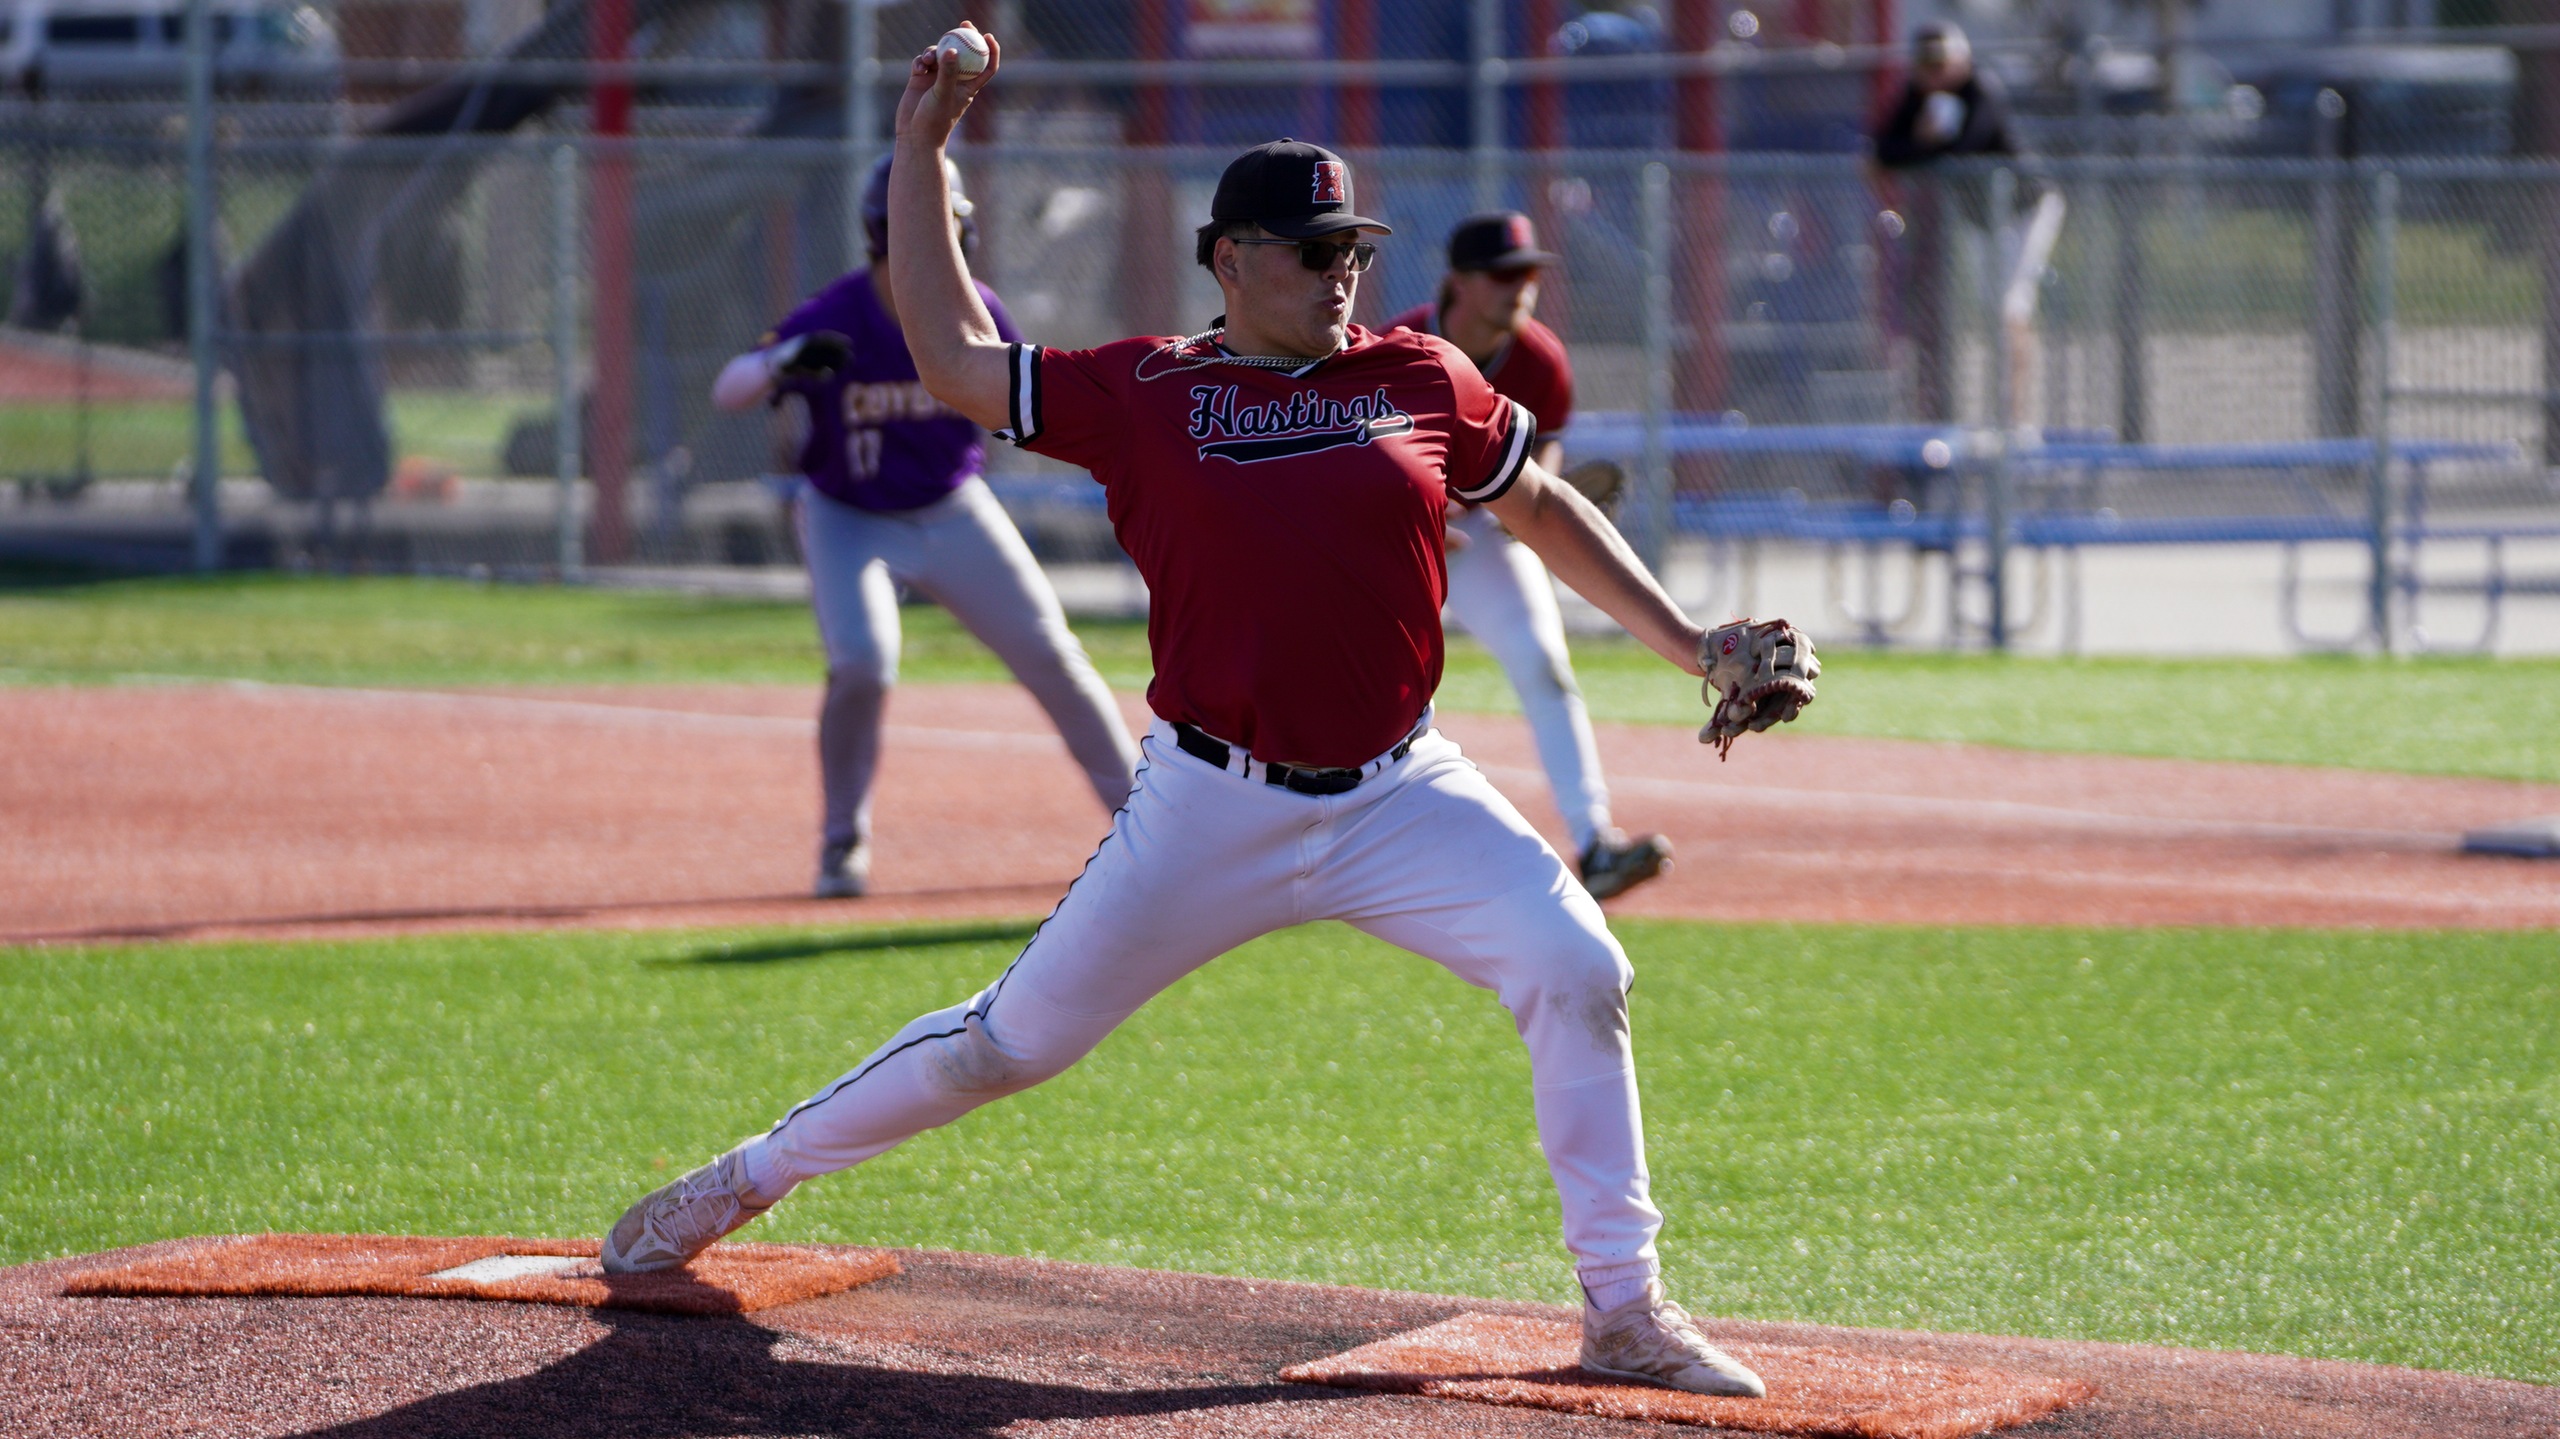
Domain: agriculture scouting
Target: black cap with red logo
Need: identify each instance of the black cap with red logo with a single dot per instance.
(1293, 189)
(1497, 240)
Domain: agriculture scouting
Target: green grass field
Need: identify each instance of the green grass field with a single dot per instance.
(148, 439)
(2328, 1144)
(2448, 716)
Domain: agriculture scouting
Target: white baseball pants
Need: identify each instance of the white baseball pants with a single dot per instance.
(1425, 854)
(1502, 594)
(962, 552)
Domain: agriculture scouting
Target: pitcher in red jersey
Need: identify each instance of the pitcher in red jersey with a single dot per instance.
(1279, 482)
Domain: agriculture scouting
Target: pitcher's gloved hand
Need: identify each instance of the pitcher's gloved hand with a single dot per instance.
(817, 355)
(1598, 480)
(1759, 673)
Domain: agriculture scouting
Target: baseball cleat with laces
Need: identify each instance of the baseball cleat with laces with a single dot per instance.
(1615, 864)
(679, 1220)
(1654, 1340)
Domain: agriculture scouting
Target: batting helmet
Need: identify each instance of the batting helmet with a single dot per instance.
(875, 207)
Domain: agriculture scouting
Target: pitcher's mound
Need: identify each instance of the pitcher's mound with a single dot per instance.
(727, 1279)
(1513, 1360)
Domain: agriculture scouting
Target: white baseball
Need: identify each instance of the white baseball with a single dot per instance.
(965, 51)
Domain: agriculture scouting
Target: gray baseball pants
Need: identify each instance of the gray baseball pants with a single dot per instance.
(963, 553)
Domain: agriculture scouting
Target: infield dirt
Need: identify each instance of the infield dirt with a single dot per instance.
(203, 810)
(969, 1345)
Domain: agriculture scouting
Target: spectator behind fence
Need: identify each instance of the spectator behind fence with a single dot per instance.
(1948, 108)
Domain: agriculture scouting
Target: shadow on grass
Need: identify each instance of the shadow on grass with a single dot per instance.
(819, 946)
(38, 576)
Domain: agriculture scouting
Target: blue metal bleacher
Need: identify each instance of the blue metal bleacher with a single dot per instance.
(2049, 480)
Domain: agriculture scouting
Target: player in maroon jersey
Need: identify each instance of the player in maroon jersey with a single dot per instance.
(1487, 307)
(1279, 482)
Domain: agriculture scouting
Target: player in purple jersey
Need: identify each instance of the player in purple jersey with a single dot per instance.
(894, 498)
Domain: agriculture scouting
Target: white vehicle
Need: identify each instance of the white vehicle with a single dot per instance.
(109, 47)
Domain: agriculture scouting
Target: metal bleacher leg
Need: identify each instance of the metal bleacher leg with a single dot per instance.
(2074, 599)
(2493, 590)
(1716, 561)
(2493, 593)
(2289, 608)
(1954, 595)
(1874, 626)
(2041, 596)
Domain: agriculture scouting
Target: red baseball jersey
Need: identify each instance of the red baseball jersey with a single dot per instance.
(1287, 522)
(1530, 367)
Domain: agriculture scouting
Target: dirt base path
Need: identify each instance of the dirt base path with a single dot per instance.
(969, 1345)
(204, 810)
(37, 368)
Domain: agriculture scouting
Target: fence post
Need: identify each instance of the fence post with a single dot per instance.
(2337, 388)
(2386, 264)
(1653, 486)
(569, 416)
(1484, 87)
(204, 481)
(2133, 382)
(1995, 490)
(861, 121)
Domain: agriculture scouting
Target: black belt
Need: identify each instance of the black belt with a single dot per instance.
(1191, 740)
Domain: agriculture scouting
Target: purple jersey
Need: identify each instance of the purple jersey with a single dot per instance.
(877, 441)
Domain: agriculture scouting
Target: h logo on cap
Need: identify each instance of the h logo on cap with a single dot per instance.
(1515, 233)
(1328, 183)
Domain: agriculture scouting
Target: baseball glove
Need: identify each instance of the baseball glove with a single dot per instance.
(816, 355)
(1759, 673)
(1598, 480)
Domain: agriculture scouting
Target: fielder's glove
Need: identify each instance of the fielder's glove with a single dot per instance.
(817, 355)
(1598, 480)
(1759, 673)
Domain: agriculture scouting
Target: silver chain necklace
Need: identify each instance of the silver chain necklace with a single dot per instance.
(1189, 351)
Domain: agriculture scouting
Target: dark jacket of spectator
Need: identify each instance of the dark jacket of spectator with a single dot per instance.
(1903, 141)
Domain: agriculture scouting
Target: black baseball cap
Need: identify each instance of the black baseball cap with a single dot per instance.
(1497, 240)
(1293, 189)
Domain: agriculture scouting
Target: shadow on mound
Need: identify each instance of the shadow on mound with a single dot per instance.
(654, 1376)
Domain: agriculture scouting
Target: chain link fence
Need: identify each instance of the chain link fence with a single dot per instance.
(1784, 349)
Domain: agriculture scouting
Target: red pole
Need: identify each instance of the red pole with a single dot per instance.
(781, 277)
(1698, 282)
(1887, 281)
(1546, 133)
(1546, 97)
(1885, 81)
(1356, 106)
(609, 236)
(1146, 297)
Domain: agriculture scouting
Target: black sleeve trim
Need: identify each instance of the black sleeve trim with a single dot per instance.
(1515, 458)
(1022, 404)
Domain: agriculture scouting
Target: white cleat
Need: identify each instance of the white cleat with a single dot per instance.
(1654, 1340)
(679, 1220)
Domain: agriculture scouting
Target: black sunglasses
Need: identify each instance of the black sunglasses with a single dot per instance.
(1320, 255)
